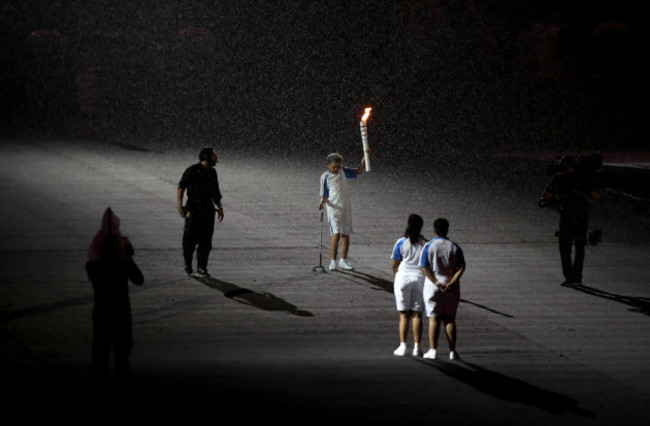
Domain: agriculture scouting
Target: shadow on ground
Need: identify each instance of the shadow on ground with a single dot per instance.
(46, 308)
(507, 388)
(638, 304)
(386, 285)
(261, 300)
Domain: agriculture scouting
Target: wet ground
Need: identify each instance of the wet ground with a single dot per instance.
(268, 339)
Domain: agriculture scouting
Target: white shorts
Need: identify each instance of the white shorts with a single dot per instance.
(438, 303)
(340, 220)
(408, 291)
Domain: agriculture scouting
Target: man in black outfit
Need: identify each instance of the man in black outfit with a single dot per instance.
(202, 185)
(569, 191)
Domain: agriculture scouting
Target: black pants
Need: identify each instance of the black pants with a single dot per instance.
(573, 233)
(112, 329)
(197, 235)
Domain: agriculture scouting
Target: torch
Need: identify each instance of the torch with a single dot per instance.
(364, 137)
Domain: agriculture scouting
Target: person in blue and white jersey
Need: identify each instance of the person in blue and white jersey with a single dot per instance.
(409, 283)
(335, 194)
(443, 263)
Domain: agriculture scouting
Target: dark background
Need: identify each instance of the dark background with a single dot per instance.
(441, 75)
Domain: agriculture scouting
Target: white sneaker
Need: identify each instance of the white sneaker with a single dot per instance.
(417, 352)
(431, 354)
(201, 272)
(333, 265)
(345, 265)
(400, 351)
(453, 355)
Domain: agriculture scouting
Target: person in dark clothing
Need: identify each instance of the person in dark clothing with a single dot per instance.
(202, 185)
(569, 191)
(110, 267)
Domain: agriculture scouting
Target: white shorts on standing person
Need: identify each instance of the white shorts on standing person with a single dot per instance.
(443, 263)
(335, 195)
(408, 284)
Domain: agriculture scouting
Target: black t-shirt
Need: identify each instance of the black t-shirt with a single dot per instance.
(202, 186)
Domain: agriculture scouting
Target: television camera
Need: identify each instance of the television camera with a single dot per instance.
(585, 164)
(588, 166)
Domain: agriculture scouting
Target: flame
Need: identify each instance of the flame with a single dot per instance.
(366, 114)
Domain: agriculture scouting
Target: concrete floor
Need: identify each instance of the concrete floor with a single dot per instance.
(267, 339)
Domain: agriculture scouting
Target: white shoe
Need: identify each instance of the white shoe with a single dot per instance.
(333, 265)
(431, 354)
(345, 265)
(201, 272)
(400, 351)
(417, 352)
(453, 355)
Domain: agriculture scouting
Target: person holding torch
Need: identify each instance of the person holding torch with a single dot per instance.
(335, 195)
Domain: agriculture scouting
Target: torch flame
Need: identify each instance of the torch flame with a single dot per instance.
(366, 114)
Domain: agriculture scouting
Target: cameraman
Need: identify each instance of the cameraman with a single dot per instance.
(569, 192)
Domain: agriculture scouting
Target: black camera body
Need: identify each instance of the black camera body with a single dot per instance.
(589, 165)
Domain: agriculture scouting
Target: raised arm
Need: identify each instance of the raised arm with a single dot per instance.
(362, 165)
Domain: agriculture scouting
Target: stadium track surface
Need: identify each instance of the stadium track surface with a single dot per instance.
(267, 339)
